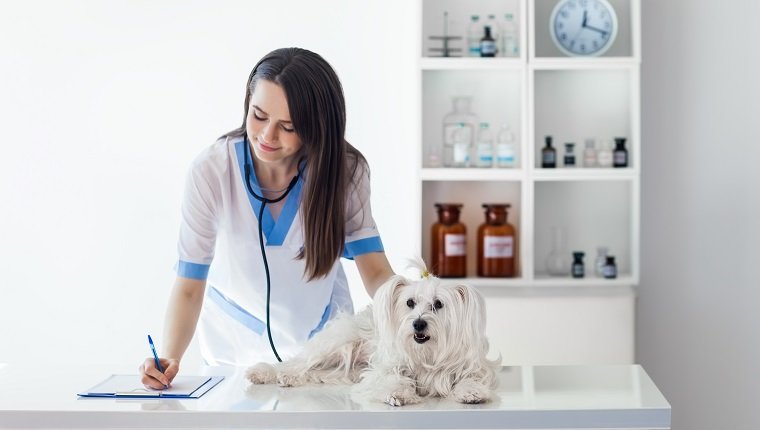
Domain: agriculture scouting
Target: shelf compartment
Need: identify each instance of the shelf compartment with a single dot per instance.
(573, 105)
(496, 98)
(472, 195)
(593, 214)
(459, 13)
(625, 44)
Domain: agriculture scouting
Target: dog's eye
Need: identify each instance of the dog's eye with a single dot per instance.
(410, 303)
(437, 304)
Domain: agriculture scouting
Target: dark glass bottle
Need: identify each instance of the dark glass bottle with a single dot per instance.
(449, 243)
(496, 243)
(569, 154)
(548, 154)
(578, 270)
(487, 44)
(610, 269)
(620, 155)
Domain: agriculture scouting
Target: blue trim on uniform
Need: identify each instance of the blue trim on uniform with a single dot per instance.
(325, 317)
(236, 312)
(362, 246)
(274, 232)
(186, 269)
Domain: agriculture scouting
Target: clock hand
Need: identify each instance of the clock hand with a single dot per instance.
(598, 30)
(585, 17)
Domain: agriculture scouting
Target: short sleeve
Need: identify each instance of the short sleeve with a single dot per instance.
(198, 225)
(362, 236)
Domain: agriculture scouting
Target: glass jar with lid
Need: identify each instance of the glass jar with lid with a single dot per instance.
(496, 243)
(449, 242)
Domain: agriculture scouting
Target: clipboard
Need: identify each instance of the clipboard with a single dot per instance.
(129, 386)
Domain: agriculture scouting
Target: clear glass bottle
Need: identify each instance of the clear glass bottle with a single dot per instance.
(510, 41)
(474, 33)
(496, 243)
(558, 259)
(577, 269)
(506, 155)
(604, 156)
(589, 153)
(464, 123)
(610, 268)
(569, 159)
(484, 147)
(448, 242)
(548, 154)
(620, 155)
(599, 262)
(487, 43)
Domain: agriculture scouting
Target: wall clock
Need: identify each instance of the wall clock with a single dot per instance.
(583, 27)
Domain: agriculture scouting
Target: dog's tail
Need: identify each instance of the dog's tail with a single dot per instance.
(419, 266)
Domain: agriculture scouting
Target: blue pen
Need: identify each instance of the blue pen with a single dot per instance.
(155, 357)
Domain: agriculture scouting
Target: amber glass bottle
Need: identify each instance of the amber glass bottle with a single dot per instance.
(449, 243)
(496, 243)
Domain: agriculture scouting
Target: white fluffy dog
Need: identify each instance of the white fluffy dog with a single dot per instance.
(418, 338)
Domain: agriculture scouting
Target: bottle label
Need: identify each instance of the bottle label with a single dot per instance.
(487, 47)
(609, 271)
(548, 157)
(485, 154)
(620, 158)
(454, 245)
(505, 154)
(498, 246)
(460, 153)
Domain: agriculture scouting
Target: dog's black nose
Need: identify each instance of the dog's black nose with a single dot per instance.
(419, 324)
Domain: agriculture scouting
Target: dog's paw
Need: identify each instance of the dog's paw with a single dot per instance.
(469, 396)
(403, 397)
(261, 373)
(290, 380)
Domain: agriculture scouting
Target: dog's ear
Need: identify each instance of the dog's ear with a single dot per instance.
(385, 299)
(474, 309)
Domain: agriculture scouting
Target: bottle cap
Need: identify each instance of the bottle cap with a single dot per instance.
(610, 259)
(578, 254)
(548, 140)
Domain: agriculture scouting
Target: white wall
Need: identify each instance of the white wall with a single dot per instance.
(698, 324)
(102, 107)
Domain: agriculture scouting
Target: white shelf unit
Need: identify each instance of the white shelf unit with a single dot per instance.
(541, 92)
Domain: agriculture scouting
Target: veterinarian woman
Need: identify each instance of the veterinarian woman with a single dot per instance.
(289, 156)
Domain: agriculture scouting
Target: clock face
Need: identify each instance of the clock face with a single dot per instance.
(583, 27)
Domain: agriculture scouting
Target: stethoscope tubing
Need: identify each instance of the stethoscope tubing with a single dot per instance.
(264, 201)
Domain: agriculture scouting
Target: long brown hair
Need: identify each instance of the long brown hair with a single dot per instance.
(318, 113)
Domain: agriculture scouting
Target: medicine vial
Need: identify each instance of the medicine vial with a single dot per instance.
(548, 154)
(620, 155)
(600, 261)
(569, 158)
(484, 147)
(487, 44)
(589, 153)
(448, 242)
(577, 269)
(505, 148)
(496, 243)
(610, 269)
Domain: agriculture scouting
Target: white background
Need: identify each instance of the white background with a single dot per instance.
(104, 104)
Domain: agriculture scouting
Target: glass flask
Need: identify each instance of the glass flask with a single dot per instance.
(558, 260)
(459, 128)
(449, 242)
(496, 243)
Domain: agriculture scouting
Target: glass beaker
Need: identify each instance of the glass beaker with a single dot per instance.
(558, 259)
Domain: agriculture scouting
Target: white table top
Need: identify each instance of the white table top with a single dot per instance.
(528, 397)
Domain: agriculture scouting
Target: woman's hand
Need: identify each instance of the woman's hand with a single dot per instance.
(152, 378)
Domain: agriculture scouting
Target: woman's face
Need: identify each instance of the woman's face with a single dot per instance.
(269, 127)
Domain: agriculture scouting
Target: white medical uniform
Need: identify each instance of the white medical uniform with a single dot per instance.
(220, 224)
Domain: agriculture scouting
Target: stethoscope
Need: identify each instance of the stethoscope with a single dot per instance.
(248, 167)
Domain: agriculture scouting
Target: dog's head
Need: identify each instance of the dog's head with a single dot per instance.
(430, 321)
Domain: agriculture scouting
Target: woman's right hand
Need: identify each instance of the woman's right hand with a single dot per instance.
(152, 378)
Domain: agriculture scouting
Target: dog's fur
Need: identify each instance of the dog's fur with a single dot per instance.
(419, 338)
